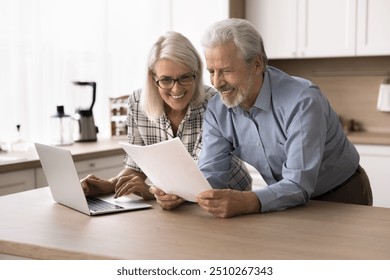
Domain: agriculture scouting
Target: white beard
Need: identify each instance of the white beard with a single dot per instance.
(240, 96)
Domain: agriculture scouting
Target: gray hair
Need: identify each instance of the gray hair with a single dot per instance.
(177, 48)
(239, 31)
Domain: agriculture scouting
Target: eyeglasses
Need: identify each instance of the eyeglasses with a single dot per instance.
(169, 83)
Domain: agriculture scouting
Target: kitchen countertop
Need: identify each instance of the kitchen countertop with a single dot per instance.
(369, 138)
(14, 161)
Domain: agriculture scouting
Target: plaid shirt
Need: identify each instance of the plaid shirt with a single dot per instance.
(142, 131)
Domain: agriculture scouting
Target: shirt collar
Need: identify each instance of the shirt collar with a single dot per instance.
(263, 100)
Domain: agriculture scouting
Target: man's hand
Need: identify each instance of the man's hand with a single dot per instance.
(226, 203)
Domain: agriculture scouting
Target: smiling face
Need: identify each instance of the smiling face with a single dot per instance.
(178, 97)
(237, 82)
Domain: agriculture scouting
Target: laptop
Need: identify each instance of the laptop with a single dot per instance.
(66, 189)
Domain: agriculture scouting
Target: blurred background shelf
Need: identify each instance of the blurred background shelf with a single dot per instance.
(118, 114)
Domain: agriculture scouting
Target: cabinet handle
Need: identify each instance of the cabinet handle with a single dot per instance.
(92, 164)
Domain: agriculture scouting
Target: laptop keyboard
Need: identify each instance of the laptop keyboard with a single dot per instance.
(96, 204)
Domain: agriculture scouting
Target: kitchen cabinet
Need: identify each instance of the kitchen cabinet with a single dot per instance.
(326, 28)
(375, 159)
(321, 28)
(276, 20)
(40, 178)
(28, 179)
(104, 158)
(373, 21)
(105, 167)
(305, 28)
(17, 181)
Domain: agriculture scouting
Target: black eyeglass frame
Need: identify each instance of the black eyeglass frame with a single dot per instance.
(176, 80)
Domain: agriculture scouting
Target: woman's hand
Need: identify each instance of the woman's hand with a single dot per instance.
(126, 182)
(93, 185)
(132, 183)
(166, 201)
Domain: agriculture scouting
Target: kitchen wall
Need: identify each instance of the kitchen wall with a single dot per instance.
(351, 85)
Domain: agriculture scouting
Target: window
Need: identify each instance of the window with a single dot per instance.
(47, 44)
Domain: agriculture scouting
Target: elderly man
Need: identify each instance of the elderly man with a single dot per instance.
(282, 125)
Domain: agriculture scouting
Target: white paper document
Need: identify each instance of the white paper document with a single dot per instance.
(170, 167)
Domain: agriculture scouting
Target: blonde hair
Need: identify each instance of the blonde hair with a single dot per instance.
(177, 48)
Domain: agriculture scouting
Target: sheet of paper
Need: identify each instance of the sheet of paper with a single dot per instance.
(170, 167)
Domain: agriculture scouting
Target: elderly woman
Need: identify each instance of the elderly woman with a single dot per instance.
(171, 104)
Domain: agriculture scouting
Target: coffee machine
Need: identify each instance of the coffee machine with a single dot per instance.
(85, 129)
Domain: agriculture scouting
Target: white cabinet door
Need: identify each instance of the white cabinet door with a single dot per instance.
(276, 21)
(105, 168)
(17, 181)
(376, 161)
(326, 28)
(305, 28)
(321, 28)
(23, 180)
(373, 36)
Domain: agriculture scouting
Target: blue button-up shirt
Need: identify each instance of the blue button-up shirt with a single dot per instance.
(291, 135)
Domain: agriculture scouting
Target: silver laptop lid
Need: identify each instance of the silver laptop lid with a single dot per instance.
(62, 177)
(65, 186)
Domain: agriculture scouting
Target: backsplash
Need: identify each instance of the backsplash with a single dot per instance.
(351, 85)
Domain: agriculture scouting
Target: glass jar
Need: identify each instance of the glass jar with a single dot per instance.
(61, 128)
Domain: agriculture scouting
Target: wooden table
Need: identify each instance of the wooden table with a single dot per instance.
(32, 225)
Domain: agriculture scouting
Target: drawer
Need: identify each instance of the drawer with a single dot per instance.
(17, 181)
